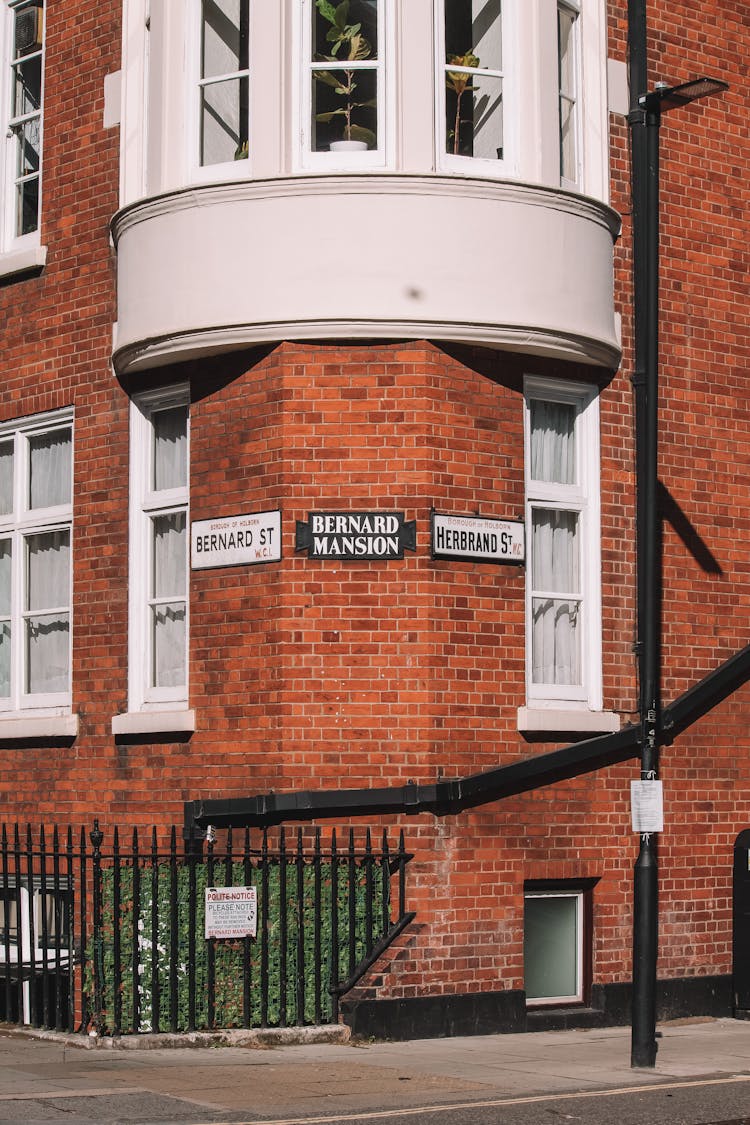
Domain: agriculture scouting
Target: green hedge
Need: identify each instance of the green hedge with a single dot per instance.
(229, 956)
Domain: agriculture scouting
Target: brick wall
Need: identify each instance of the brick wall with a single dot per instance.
(312, 674)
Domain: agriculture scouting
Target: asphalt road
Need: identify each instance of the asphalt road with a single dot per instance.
(718, 1101)
(701, 1077)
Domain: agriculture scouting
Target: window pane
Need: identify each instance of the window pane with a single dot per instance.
(6, 478)
(170, 448)
(553, 444)
(555, 632)
(555, 553)
(224, 103)
(345, 32)
(48, 570)
(551, 947)
(555, 641)
(567, 61)
(568, 168)
(474, 98)
(224, 121)
(47, 653)
(169, 645)
(474, 114)
(225, 37)
(6, 554)
(170, 555)
(27, 207)
(50, 469)
(53, 916)
(5, 660)
(344, 108)
(27, 86)
(566, 46)
(9, 916)
(5, 608)
(474, 27)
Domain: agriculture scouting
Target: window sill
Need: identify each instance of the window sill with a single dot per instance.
(556, 720)
(17, 262)
(138, 723)
(39, 728)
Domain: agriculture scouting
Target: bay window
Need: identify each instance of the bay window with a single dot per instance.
(562, 501)
(23, 27)
(489, 88)
(159, 553)
(36, 485)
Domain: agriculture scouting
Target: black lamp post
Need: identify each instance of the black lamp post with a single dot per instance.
(646, 255)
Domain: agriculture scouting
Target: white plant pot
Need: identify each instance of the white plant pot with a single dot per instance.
(348, 146)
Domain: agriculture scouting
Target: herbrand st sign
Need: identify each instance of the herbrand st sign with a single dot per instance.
(356, 535)
(477, 539)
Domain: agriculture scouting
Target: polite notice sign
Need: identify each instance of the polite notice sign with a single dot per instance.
(231, 912)
(236, 540)
(477, 539)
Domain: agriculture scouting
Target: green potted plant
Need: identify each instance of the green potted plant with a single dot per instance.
(348, 44)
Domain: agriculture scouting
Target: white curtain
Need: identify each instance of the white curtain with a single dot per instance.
(555, 636)
(48, 633)
(50, 469)
(553, 448)
(170, 448)
(169, 608)
(6, 478)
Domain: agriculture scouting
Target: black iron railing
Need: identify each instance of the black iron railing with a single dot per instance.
(98, 934)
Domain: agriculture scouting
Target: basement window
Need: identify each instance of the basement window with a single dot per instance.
(557, 942)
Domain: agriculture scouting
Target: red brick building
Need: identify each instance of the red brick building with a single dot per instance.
(266, 264)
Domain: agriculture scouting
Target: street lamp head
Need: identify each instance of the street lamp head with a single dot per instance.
(663, 97)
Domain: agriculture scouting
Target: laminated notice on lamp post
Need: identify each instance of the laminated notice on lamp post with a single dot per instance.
(647, 806)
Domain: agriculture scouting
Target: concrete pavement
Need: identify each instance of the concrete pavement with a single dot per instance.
(52, 1078)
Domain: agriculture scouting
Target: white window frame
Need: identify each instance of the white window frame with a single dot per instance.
(584, 499)
(18, 526)
(10, 240)
(477, 165)
(230, 169)
(145, 503)
(580, 937)
(572, 8)
(302, 88)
